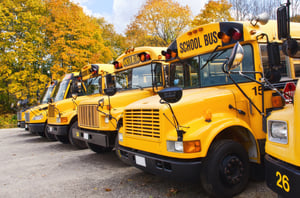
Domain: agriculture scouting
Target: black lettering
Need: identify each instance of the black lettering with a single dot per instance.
(181, 47)
(199, 43)
(210, 38)
(192, 44)
(195, 43)
(215, 37)
(205, 40)
(188, 46)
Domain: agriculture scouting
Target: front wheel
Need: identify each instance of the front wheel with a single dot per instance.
(225, 171)
(77, 143)
(99, 149)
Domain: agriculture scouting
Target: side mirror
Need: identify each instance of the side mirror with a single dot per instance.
(110, 91)
(290, 47)
(171, 94)
(236, 57)
(282, 22)
(110, 80)
(273, 54)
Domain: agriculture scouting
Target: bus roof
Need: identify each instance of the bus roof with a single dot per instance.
(133, 56)
(96, 69)
(206, 38)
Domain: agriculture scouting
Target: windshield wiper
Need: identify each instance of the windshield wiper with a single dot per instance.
(212, 56)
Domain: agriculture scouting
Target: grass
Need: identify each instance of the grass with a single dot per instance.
(8, 121)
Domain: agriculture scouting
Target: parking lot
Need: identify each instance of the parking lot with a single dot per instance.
(32, 166)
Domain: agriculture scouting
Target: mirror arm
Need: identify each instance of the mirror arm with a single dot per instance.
(252, 103)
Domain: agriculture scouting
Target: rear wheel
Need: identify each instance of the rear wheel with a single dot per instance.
(99, 149)
(77, 143)
(225, 171)
(48, 135)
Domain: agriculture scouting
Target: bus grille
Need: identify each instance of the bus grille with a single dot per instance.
(142, 122)
(19, 115)
(51, 110)
(27, 117)
(88, 116)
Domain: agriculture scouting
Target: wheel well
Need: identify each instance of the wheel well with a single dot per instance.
(244, 137)
(74, 119)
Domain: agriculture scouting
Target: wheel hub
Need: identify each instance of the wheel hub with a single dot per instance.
(232, 170)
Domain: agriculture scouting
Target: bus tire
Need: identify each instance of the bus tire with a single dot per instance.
(62, 139)
(225, 171)
(77, 143)
(99, 149)
(48, 135)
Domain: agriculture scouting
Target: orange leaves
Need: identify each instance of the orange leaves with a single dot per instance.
(214, 11)
(159, 22)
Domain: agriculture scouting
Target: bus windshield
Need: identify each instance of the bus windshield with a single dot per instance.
(205, 71)
(139, 77)
(47, 94)
(62, 90)
(93, 85)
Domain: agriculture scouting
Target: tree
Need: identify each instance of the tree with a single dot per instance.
(158, 23)
(22, 51)
(74, 38)
(112, 40)
(214, 11)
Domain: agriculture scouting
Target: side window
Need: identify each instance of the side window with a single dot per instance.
(157, 74)
(296, 62)
(185, 74)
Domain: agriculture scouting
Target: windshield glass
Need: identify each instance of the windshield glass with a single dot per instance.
(47, 94)
(205, 71)
(93, 85)
(62, 90)
(139, 77)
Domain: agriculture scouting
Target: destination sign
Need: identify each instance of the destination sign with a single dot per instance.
(131, 60)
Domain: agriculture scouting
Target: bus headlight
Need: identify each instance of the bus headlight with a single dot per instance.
(277, 131)
(175, 146)
(38, 117)
(120, 137)
(184, 147)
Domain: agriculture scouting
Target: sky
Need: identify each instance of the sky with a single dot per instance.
(121, 12)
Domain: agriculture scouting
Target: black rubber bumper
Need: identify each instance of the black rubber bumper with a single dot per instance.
(37, 128)
(179, 169)
(282, 178)
(96, 138)
(58, 129)
(21, 124)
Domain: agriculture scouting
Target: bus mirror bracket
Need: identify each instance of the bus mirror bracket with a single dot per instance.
(172, 95)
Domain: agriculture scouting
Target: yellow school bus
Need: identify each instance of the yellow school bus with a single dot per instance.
(211, 123)
(139, 73)
(62, 115)
(36, 117)
(282, 160)
(22, 104)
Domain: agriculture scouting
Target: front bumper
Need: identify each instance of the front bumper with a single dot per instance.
(58, 129)
(282, 178)
(37, 128)
(93, 137)
(182, 169)
(21, 124)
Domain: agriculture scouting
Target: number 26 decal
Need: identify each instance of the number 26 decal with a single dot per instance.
(283, 182)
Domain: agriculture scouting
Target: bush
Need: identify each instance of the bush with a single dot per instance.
(8, 121)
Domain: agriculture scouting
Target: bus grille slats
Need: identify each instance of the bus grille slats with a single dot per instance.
(89, 116)
(51, 110)
(27, 117)
(142, 123)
